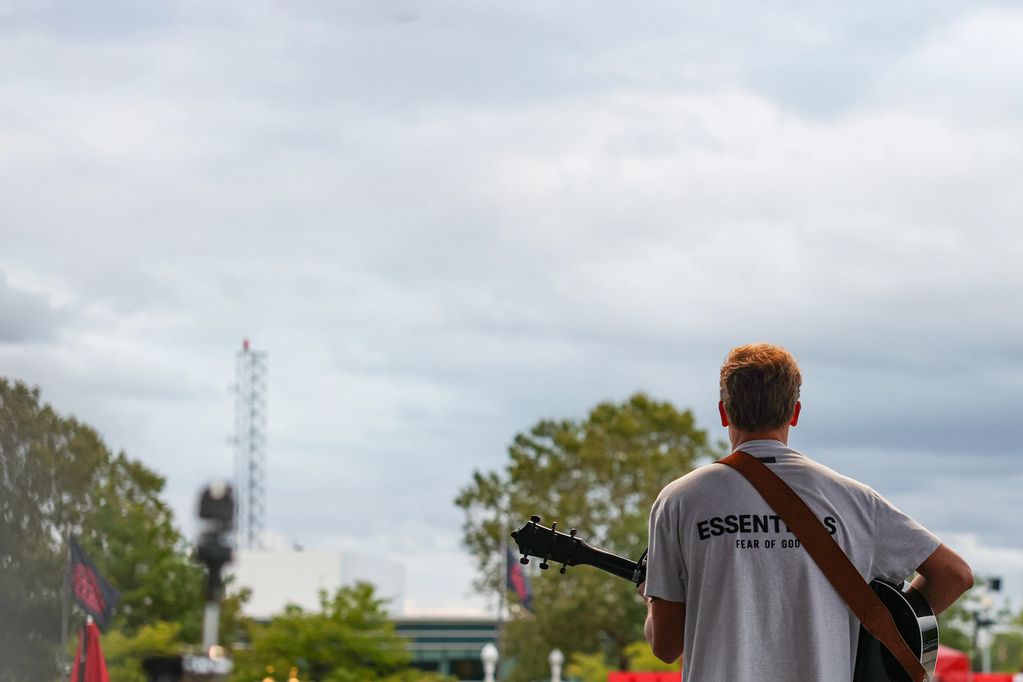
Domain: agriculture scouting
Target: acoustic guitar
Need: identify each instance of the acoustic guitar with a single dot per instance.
(913, 617)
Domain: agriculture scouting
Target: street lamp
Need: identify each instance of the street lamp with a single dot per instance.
(984, 618)
(556, 659)
(489, 657)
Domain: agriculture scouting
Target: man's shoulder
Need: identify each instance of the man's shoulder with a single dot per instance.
(709, 477)
(838, 479)
(716, 479)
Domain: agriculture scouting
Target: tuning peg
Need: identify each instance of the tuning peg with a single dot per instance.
(534, 519)
(543, 564)
(571, 534)
(524, 560)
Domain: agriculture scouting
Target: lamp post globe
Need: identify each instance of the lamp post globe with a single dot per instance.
(489, 656)
(556, 659)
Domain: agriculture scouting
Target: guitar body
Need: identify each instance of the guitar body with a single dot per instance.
(917, 625)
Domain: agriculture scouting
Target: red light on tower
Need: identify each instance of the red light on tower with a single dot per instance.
(245, 345)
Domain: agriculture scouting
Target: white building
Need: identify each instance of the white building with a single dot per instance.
(281, 577)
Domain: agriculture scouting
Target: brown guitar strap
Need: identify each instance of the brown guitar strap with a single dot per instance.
(826, 553)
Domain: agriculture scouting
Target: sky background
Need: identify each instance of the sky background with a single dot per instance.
(445, 221)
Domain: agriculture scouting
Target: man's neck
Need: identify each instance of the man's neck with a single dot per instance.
(738, 437)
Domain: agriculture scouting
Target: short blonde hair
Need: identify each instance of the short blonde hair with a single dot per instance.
(759, 386)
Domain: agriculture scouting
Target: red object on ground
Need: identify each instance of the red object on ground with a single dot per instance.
(953, 666)
(95, 664)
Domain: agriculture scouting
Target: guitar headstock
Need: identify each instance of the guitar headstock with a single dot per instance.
(548, 544)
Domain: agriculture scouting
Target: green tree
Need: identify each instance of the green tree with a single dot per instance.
(642, 659)
(57, 475)
(129, 532)
(1007, 652)
(955, 626)
(600, 475)
(124, 653)
(350, 639)
(588, 667)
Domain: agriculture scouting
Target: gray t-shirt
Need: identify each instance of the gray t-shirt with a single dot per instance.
(757, 607)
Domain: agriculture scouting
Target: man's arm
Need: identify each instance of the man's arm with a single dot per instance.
(665, 627)
(944, 576)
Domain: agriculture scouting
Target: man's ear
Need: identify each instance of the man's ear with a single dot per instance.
(724, 415)
(795, 414)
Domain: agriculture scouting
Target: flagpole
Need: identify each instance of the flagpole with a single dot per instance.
(84, 646)
(66, 605)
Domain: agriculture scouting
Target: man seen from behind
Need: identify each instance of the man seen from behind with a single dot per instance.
(728, 584)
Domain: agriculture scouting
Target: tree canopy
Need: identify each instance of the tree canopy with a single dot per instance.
(600, 475)
(350, 639)
(57, 475)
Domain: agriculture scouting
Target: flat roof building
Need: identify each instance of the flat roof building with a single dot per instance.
(448, 645)
(281, 577)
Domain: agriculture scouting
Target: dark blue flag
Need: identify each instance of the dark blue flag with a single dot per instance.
(518, 581)
(94, 594)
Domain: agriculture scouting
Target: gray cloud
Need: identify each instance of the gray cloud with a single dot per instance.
(26, 316)
(448, 221)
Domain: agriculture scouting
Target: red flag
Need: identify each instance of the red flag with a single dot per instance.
(94, 594)
(518, 581)
(95, 667)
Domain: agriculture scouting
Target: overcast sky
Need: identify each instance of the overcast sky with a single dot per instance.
(447, 220)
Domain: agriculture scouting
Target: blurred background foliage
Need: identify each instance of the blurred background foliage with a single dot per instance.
(598, 474)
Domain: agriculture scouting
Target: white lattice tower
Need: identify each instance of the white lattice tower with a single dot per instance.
(250, 445)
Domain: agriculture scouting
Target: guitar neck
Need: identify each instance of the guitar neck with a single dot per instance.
(613, 564)
(550, 545)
